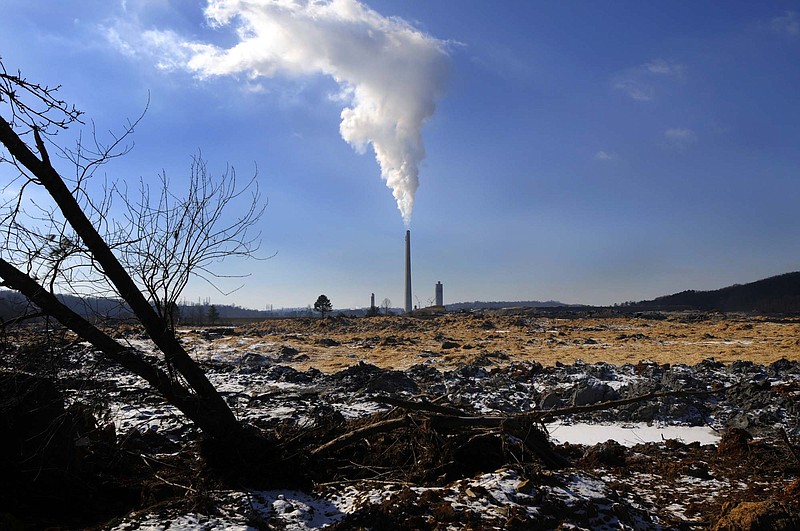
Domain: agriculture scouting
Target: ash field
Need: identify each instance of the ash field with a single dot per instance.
(511, 419)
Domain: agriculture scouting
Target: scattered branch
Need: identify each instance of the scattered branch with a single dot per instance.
(360, 433)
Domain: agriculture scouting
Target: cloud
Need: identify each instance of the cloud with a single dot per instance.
(122, 45)
(635, 89)
(679, 138)
(390, 75)
(663, 67)
(642, 83)
(788, 24)
(606, 155)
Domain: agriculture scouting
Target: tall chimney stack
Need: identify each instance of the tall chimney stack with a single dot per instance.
(408, 271)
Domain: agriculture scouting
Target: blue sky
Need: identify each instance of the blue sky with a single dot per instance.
(589, 152)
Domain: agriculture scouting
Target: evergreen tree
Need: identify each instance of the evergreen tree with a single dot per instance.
(323, 305)
(212, 315)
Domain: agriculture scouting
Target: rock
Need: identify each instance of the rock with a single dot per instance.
(365, 377)
(593, 393)
(282, 373)
(288, 352)
(251, 362)
(551, 401)
(609, 453)
(328, 342)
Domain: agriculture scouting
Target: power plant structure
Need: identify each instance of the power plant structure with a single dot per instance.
(439, 294)
(409, 306)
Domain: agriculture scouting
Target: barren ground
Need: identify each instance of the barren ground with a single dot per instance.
(452, 340)
(141, 464)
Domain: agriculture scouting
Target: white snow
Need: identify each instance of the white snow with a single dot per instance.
(629, 434)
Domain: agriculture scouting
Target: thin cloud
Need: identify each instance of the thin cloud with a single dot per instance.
(606, 155)
(663, 67)
(679, 138)
(635, 89)
(788, 24)
(118, 42)
(643, 82)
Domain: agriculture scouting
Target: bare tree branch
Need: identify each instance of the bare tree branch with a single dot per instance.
(69, 244)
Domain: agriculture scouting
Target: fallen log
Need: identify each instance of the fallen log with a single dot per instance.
(420, 405)
(609, 404)
(360, 433)
(459, 417)
(445, 419)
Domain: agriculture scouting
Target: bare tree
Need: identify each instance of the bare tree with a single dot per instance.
(386, 305)
(174, 238)
(72, 244)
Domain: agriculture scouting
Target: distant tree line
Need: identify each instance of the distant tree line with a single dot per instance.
(484, 305)
(778, 294)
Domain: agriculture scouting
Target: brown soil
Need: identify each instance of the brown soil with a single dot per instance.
(742, 483)
(449, 341)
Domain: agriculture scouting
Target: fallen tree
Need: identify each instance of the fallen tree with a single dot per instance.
(59, 247)
(522, 436)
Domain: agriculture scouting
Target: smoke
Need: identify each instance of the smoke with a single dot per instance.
(389, 73)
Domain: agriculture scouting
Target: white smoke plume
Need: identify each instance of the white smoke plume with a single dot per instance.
(390, 73)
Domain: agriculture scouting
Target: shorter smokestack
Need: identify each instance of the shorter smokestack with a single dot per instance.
(408, 271)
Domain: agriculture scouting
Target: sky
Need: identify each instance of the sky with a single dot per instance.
(585, 152)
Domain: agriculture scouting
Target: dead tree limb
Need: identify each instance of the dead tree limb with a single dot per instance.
(124, 356)
(165, 242)
(421, 405)
(360, 433)
(610, 404)
(792, 448)
(448, 418)
(452, 417)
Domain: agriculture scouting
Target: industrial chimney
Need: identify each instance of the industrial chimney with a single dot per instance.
(439, 294)
(408, 271)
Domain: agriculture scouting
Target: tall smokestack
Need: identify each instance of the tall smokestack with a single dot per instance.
(408, 271)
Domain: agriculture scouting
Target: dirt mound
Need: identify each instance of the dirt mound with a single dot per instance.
(767, 515)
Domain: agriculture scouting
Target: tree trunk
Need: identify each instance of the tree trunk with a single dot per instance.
(219, 419)
(191, 405)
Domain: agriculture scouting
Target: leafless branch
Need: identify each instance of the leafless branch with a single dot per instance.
(177, 237)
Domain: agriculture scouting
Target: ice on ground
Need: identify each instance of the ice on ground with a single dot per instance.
(629, 434)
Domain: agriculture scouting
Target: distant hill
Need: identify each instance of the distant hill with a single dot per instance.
(13, 304)
(482, 305)
(778, 294)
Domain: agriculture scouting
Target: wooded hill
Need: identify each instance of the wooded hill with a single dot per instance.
(778, 294)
